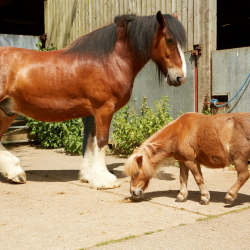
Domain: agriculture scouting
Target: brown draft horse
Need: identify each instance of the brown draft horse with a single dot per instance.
(94, 75)
(194, 139)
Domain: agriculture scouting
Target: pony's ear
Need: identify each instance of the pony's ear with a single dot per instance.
(175, 15)
(160, 19)
(135, 150)
(139, 160)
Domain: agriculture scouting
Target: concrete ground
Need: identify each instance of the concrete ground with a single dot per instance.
(53, 210)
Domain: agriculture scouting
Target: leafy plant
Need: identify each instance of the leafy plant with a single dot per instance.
(131, 129)
(40, 44)
(67, 134)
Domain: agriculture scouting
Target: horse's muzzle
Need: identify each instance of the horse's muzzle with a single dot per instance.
(136, 193)
(176, 82)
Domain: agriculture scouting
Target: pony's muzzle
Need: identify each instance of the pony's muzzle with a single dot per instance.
(136, 193)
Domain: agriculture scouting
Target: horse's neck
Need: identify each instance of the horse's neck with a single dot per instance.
(162, 151)
(124, 51)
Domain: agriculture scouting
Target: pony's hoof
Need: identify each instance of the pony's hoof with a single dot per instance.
(19, 179)
(202, 202)
(229, 201)
(178, 199)
(229, 198)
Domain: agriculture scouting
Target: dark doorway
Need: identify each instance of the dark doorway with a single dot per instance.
(233, 24)
(22, 17)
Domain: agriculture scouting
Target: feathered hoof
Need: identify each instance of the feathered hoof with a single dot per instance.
(110, 186)
(21, 178)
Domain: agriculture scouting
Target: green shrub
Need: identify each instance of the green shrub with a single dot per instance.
(40, 44)
(67, 134)
(131, 129)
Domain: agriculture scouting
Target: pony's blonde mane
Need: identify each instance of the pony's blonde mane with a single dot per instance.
(149, 157)
(146, 150)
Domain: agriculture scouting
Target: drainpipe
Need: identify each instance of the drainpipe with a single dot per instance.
(196, 52)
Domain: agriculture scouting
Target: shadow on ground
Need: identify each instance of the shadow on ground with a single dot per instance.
(62, 175)
(215, 196)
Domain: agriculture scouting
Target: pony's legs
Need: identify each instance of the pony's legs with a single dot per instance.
(9, 164)
(196, 171)
(243, 175)
(183, 194)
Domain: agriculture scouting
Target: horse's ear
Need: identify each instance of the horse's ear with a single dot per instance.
(175, 15)
(160, 19)
(135, 151)
(139, 160)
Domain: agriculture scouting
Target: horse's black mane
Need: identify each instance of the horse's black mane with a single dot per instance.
(140, 31)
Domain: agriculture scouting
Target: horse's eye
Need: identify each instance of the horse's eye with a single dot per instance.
(169, 40)
(136, 174)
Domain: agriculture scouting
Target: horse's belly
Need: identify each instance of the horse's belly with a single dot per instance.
(52, 110)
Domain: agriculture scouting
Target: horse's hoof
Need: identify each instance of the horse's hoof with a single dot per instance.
(84, 181)
(178, 199)
(115, 185)
(229, 201)
(202, 202)
(19, 179)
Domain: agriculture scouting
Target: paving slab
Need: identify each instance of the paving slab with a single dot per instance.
(54, 210)
(229, 232)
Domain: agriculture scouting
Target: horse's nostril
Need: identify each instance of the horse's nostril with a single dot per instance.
(179, 79)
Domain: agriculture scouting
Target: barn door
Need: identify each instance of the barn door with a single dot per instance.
(230, 69)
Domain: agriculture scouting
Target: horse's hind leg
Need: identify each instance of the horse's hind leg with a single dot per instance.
(9, 164)
(183, 194)
(243, 175)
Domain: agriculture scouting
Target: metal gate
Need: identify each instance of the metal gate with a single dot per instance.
(230, 69)
(17, 132)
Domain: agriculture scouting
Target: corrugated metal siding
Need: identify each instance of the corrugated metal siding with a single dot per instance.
(66, 20)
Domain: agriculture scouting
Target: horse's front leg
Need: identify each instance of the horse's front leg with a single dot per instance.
(94, 169)
(183, 194)
(195, 168)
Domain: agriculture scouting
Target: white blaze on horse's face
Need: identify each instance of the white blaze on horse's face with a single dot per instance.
(176, 76)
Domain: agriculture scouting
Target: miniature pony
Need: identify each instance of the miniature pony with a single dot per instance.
(194, 139)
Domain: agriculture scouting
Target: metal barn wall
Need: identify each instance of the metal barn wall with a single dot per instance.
(66, 20)
(230, 69)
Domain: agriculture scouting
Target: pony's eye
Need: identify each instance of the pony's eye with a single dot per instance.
(136, 174)
(169, 40)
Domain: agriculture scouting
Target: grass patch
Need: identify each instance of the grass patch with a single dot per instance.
(209, 217)
(115, 241)
(182, 224)
(151, 232)
(125, 238)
